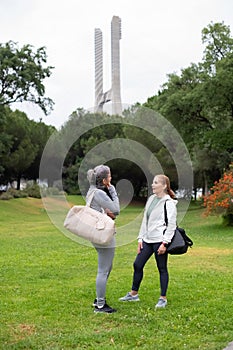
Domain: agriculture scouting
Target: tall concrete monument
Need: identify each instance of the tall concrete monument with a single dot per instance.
(114, 94)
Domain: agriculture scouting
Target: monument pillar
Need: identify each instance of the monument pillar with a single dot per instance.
(114, 94)
(115, 54)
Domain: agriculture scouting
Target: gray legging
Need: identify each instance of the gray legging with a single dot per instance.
(105, 259)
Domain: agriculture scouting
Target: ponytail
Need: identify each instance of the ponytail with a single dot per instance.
(91, 176)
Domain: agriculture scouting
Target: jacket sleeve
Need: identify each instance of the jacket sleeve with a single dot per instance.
(143, 227)
(171, 218)
(106, 203)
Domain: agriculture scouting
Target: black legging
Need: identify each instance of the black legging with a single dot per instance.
(140, 261)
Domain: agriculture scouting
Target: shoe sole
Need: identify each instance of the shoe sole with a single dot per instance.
(105, 312)
(160, 307)
(130, 300)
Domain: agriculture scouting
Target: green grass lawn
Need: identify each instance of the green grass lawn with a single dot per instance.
(47, 286)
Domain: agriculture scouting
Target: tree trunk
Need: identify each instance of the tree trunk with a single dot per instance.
(195, 194)
(228, 219)
(205, 185)
(18, 182)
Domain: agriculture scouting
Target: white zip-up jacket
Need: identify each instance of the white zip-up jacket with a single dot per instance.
(155, 230)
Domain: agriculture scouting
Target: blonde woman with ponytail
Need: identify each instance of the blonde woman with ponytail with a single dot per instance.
(154, 236)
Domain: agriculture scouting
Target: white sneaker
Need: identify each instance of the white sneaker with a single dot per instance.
(129, 297)
(161, 303)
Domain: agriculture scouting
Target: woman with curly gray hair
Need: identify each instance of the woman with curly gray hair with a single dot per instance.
(105, 199)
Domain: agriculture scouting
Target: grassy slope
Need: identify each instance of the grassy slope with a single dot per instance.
(48, 285)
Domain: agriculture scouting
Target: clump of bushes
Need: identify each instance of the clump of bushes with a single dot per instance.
(32, 190)
(6, 196)
(17, 193)
(220, 200)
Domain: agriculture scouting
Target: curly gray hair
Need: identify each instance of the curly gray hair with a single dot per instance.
(95, 176)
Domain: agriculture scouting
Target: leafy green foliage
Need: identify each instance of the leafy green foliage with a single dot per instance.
(219, 43)
(22, 72)
(22, 150)
(23, 141)
(199, 103)
(112, 128)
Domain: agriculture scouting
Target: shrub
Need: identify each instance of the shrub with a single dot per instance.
(50, 191)
(33, 191)
(220, 200)
(6, 196)
(17, 193)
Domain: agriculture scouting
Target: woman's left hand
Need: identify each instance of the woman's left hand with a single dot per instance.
(162, 249)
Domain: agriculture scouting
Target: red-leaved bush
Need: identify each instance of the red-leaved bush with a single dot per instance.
(220, 199)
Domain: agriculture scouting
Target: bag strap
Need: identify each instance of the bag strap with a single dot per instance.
(90, 197)
(165, 213)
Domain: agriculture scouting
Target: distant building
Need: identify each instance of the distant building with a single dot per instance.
(114, 94)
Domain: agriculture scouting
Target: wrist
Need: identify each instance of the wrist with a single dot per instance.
(111, 188)
(164, 244)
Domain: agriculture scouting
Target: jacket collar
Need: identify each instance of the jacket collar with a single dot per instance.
(164, 198)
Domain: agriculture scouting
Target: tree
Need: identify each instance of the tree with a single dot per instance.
(96, 134)
(4, 137)
(39, 134)
(22, 73)
(219, 43)
(218, 64)
(199, 103)
(21, 151)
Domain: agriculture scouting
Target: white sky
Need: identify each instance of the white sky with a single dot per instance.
(158, 38)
